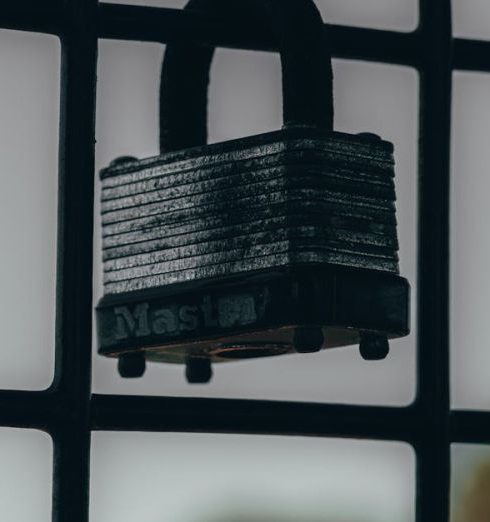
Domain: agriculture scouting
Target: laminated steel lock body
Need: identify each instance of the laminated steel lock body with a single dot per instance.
(265, 245)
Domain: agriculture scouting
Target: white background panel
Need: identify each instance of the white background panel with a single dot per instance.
(29, 112)
(470, 242)
(232, 478)
(25, 475)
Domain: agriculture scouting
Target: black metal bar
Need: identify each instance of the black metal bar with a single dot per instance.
(171, 25)
(117, 412)
(471, 427)
(74, 270)
(163, 24)
(45, 410)
(28, 409)
(433, 456)
(375, 45)
(31, 15)
(128, 22)
(471, 55)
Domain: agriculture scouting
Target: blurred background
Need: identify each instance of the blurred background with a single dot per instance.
(210, 478)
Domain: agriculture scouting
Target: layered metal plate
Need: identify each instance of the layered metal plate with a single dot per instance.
(363, 153)
(219, 210)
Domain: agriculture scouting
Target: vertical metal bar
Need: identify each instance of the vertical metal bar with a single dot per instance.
(74, 271)
(433, 464)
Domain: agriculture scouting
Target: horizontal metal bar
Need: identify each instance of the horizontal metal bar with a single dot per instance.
(471, 427)
(31, 15)
(44, 410)
(165, 25)
(375, 45)
(173, 25)
(165, 414)
(471, 55)
(28, 409)
(125, 22)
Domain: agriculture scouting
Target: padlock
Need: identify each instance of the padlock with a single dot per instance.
(267, 245)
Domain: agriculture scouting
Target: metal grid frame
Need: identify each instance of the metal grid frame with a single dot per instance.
(68, 410)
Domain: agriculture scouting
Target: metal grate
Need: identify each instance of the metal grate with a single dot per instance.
(69, 412)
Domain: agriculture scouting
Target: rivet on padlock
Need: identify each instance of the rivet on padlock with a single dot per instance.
(262, 246)
(131, 365)
(373, 347)
(370, 135)
(122, 160)
(308, 339)
(198, 370)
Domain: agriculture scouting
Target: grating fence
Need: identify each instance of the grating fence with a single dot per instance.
(68, 410)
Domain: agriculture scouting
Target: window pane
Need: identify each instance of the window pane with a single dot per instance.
(470, 258)
(29, 110)
(398, 15)
(224, 478)
(245, 94)
(25, 475)
(470, 483)
(245, 98)
(127, 99)
(471, 18)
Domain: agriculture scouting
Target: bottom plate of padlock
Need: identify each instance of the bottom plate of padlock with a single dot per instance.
(267, 343)
(260, 315)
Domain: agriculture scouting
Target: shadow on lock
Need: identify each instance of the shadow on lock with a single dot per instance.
(267, 245)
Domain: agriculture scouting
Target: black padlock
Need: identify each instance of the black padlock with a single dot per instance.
(267, 245)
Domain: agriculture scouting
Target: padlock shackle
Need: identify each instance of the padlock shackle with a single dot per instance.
(299, 31)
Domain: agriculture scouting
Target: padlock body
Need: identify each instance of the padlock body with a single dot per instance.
(278, 199)
(224, 251)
